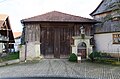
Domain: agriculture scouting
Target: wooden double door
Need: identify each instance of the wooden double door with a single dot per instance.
(82, 52)
(55, 41)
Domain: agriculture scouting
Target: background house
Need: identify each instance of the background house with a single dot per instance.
(17, 37)
(52, 32)
(6, 35)
(107, 33)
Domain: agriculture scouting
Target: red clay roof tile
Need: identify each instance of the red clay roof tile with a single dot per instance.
(56, 16)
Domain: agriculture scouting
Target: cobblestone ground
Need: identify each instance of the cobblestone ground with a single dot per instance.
(60, 67)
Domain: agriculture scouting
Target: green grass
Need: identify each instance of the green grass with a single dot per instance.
(107, 61)
(11, 56)
(116, 63)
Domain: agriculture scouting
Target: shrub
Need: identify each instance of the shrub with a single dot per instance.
(105, 55)
(73, 57)
(91, 56)
(94, 55)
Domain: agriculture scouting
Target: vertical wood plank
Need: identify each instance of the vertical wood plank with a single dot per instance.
(57, 43)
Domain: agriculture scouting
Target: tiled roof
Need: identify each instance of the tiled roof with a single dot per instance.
(106, 6)
(17, 34)
(56, 16)
(3, 17)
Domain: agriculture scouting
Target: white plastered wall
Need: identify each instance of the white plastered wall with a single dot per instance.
(1, 47)
(33, 50)
(104, 43)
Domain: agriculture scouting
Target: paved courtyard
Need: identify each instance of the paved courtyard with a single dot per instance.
(60, 67)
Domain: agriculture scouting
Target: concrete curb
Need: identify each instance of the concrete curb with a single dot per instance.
(9, 62)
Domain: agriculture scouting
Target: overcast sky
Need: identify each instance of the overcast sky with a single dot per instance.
(21, 9)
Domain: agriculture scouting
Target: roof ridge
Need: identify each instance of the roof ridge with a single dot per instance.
(36, 15)
(58, 12)
(105, 6)
(56, 16)
(97, 7)
(73, 15)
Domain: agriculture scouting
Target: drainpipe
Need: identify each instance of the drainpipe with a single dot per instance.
(25, 51)
(25, 41)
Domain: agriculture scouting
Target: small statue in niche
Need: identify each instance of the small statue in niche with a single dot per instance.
(82, 30)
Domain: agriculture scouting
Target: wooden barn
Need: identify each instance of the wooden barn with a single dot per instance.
(53, 31)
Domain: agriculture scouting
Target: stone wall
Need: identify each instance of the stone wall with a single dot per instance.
(30, 51)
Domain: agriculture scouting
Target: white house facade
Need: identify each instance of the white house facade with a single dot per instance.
(17, 37)
(107, 33)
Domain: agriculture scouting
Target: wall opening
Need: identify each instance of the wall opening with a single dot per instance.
(81, 49)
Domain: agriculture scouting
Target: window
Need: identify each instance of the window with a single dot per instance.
(116, 38)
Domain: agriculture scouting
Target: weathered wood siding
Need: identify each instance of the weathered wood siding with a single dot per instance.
(108, 23)
(32, 32)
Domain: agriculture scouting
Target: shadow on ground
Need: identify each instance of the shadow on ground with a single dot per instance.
(44, 78)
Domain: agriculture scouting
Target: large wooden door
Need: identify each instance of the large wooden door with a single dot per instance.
(82, 52)
(66, 34)
(55, 42)
(47, 42)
